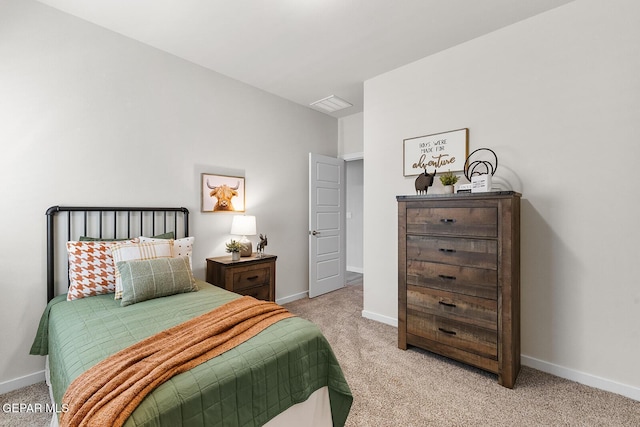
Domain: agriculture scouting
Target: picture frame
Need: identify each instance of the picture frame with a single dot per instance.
(221, 193)
(442, 152)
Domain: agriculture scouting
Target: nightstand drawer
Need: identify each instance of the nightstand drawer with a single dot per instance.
(260, 292)
(250, 278)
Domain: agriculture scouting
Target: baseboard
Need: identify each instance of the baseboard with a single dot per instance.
(632, 392)
(17, 383)
(380, 318)
(581, 377)
(292, 298)
(355, 269)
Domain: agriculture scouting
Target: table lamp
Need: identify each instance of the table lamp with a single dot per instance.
(244, 225)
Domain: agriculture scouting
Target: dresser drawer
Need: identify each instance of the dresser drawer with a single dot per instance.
(453, 221)
(250, 277)
(477, 282)
(477, 253)
(461, 308)
(473, 339)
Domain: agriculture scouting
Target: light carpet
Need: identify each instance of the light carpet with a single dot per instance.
(392, 387)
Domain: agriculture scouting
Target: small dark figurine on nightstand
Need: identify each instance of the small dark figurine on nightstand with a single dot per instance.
(261, 245)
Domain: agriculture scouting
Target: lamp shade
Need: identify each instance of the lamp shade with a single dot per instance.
(243, 225)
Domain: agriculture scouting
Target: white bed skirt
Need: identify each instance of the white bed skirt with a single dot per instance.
(313, 412)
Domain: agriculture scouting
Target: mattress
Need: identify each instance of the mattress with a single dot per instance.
(245, 386)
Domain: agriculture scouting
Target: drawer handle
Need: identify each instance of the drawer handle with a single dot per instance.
(446, 331)
(450, 251)
(447, 220)
(447, 304)
(442, 276)
(252, 277)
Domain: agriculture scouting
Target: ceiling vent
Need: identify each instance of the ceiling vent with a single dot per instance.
(331, 104)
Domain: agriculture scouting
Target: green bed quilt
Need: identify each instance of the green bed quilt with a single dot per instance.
(246, 386)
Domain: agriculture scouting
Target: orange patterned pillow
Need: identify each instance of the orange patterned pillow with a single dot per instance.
(91, 269)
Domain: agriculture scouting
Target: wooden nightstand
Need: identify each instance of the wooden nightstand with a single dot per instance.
(248, 276)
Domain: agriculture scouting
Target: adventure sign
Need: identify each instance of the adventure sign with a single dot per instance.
(443, 152)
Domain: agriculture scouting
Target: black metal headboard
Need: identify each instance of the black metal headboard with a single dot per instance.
(109, 223)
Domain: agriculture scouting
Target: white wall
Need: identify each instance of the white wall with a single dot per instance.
(351, 147)
(355, 213)
(556, 96)
(92, 118)
(350, 135)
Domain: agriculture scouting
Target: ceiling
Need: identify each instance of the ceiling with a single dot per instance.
(304, 50)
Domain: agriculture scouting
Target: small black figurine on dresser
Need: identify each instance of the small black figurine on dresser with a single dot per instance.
(424, 181)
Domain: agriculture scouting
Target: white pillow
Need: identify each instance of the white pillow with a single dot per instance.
(128, 251)
(181, 247)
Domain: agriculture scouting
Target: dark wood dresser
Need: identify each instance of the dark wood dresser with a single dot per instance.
(248, 276)
(459, 278)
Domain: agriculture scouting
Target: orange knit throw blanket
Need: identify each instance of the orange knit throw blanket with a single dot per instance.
(107, 393)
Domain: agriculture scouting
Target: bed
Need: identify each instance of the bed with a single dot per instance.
(286, 374)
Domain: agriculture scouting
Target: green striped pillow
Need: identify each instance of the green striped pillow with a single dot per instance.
(153, 278)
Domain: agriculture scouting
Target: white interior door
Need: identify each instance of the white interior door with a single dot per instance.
(327, 246)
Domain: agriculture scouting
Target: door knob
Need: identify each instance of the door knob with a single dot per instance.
(315, 233)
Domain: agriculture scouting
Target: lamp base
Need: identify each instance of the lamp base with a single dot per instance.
(247, 248)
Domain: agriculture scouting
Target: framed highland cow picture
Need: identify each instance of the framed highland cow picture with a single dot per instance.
(221, 193)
